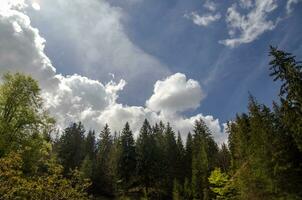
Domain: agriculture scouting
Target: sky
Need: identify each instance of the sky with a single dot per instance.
(112, 61)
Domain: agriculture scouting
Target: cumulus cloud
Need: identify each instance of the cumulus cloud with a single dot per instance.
(21, 45)
(69, 98)
(118, 115)
(91, 34)
(203, 20)
(175, 93)
(245, 28)
(5, 5)
(78, 98)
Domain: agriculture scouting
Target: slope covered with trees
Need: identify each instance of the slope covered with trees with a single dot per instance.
(263, 159)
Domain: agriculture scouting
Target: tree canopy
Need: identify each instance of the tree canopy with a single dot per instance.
(262, 160)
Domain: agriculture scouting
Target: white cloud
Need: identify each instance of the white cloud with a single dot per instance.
(175, 93)
(22, 48)
(203, 20)
(245, 28)
(35, 6)
(68, 98)
(290, 4)
(78, 98)
(93, 34)
(116, 116)
(5, 5)
(210, 5)
(246, 3)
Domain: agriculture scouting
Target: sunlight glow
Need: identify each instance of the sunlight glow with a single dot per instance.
(35, 6)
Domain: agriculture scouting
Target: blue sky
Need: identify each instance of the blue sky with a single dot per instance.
(160, 29)
(114, 60)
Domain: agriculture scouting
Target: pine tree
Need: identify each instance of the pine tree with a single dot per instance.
(180, 161)
(158, 132)
(188, 157)
(146, 149)
(71, 147)
(239, 138)
(285, 68)
(200, 161)
(259, 161)
(224, 158)
(103, 180)
(113, 164)
(127, 159)
(286, 159)
(170, 157)
(90, 145)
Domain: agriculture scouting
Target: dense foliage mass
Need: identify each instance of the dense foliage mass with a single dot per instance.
(263, 159)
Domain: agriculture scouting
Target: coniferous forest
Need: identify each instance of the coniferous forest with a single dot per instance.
(262, 160)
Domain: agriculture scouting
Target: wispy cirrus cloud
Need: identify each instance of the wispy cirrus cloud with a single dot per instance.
(210, 5)
(205, 19)
(245, 28)
(290, 4)
(79, 98)
(246, 20)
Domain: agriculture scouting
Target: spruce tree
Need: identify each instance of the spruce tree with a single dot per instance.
(200, 161)
(90, 145)
(127, 159)
(146, 157)
(180, 160)
(188, 157)
(103, 180)
(224, 158)
(285, 68)
(170, 157)
(71, 147)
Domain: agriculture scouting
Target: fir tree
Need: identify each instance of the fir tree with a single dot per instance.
(147, 158)
(127, 159)
(71, 147)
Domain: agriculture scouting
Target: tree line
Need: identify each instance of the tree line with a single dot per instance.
(157, 164)
(262, 160)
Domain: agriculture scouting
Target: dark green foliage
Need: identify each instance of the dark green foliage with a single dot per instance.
(188, 157)
(127, 158)
(90, 145)
(177, 190)
(180, 163)
(202, 160)
(285, 68)
(88, 165)
(147, 160)
(170, 157)
(224, 158)
(262, 161)
(287, 158)
(71, 146)
(103, 178)
(266, 145)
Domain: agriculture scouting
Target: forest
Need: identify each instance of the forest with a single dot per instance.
(262, 160)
